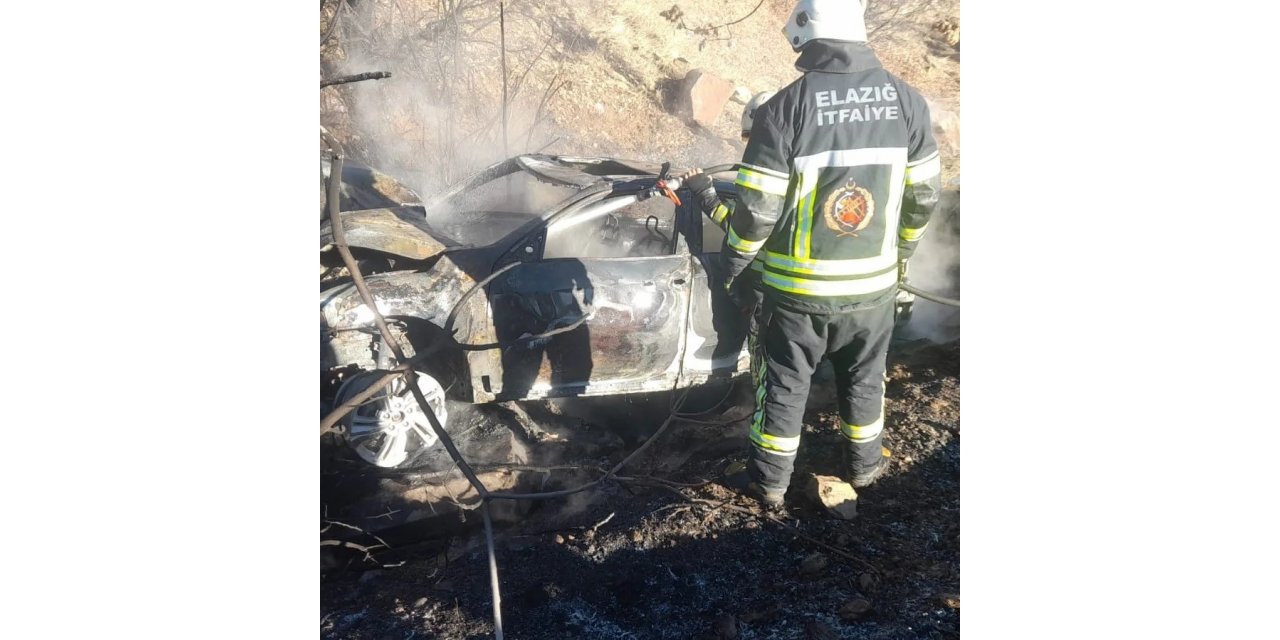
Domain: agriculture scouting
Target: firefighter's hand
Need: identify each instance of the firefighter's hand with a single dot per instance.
(742, 296)
(696, 180)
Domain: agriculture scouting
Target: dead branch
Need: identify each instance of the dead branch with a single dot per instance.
(331, 523)
(602, 522)
(707, 30)
(411, 380)
(502, 29)
(612, 472)
(358, 400)
(333, 22)
(368, 75)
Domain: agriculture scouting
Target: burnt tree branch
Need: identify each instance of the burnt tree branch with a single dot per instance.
(368, 75)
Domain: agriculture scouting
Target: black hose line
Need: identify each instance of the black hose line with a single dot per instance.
(933, 297)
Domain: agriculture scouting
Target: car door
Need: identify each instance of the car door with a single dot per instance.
(717, 330)
(613, 283)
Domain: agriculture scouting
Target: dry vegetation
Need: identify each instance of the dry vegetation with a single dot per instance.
(584, 77)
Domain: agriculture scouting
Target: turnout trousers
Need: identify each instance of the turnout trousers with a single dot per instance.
(794, 343)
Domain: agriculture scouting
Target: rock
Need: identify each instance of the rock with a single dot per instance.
(636, 536)
(867, 582)
(419, 603)
(741, 95)
(559, 539)
(836, 495)
(704, 96)
(813, 564)
(855, 608)
(726, 627)
(679, 67)
(949, 30)
(946, 126)
(949, 600)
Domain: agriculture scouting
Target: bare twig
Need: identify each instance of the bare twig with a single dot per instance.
(611, 474)
(368, 75)
(354, 528)
(729, 24)
(543, 147)
(602, 522)
(333, 22)
(710, 29)
(502, 30)
(358, 400)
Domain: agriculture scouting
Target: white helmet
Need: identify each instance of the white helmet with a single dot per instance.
(749, 111)
(829, 19)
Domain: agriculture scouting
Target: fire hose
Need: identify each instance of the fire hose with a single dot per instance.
(932, 297)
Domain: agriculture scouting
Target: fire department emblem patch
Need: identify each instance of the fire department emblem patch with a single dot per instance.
(849, 209)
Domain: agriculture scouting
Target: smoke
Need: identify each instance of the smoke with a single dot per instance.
(438, 118)
(935, 267)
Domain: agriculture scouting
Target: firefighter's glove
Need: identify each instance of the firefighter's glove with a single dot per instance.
(698, 183)
(743, 297)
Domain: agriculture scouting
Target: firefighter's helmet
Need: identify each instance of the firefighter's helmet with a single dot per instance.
(749, 111)
(826, 19)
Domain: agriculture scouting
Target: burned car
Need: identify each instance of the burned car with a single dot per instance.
(539, 277)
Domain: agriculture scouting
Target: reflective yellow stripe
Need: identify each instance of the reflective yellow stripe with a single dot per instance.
(743, 246)
(804, 235)
(719, 213)
(775, 444)
(911, 235)
(828, 288)
(761, 182)
(924, 170)
(855, 267)
(862, 434)
(915, 163)
(765, 170)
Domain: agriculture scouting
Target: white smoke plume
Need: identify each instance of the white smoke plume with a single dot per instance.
(935, 268)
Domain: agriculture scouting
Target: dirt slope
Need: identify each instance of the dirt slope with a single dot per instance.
(587, 77)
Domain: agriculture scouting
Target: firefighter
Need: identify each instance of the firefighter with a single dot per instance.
(837, 184)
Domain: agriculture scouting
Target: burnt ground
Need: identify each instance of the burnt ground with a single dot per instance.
(661, 566)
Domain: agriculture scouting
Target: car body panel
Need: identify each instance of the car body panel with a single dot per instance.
(633, 313)
(399, 231)
(651, 322)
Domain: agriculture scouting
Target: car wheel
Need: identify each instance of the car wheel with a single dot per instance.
(390, 430)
